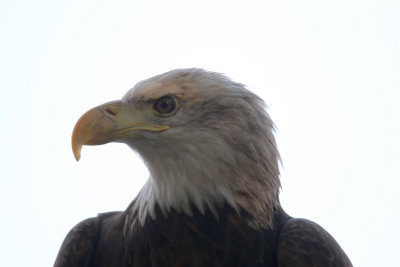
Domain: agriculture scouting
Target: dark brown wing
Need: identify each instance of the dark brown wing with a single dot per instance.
(305, 243)
(80, 244)
(93, 242)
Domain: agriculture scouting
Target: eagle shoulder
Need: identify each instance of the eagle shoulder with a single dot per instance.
(305, 243)
(80, 245)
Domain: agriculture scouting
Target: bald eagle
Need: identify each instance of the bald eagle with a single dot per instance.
(212, 198)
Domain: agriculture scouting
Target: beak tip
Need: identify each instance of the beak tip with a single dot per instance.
(77, 152)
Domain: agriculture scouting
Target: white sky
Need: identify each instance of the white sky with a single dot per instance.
(329, 71)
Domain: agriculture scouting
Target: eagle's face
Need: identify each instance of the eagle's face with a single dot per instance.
(202, 136)
(169, 112)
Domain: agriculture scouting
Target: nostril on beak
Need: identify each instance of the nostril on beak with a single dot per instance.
(111, 112)
(111, 108)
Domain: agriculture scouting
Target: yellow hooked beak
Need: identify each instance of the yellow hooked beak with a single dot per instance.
(107, 123)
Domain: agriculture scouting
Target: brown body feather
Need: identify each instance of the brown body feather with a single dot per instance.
(200, 240)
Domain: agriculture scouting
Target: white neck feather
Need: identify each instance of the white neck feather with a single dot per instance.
(208, 175)
(183, 182)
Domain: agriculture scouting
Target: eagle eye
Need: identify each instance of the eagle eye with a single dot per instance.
(165, 104)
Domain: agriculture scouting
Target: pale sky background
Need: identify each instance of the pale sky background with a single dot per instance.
(328, 70)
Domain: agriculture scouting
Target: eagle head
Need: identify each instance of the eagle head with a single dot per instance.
(206, 140)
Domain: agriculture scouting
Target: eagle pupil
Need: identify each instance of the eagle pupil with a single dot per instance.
(165, 104)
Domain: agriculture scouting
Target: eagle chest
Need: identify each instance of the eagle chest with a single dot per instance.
(199, 240)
